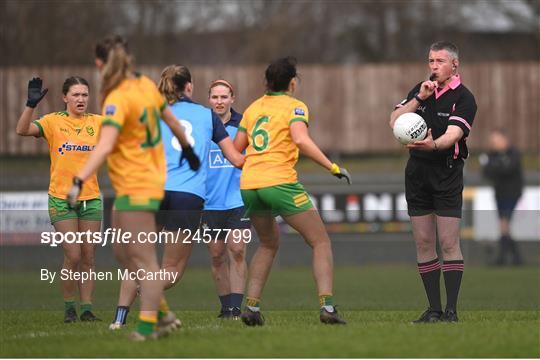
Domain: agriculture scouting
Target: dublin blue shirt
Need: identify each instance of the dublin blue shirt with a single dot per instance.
(223, 183)
(202, 127)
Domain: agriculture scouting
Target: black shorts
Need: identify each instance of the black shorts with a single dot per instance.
(225, 219)
(180, 210)
(434, 187)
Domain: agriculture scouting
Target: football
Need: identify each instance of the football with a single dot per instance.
(410, 127)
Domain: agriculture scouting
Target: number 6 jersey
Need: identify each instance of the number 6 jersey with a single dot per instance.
(271, 154)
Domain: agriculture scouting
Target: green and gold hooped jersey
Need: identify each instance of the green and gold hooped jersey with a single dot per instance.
(137, 163)
(271, 154)
(71, 141)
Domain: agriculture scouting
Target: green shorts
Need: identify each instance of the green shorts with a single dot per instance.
(59, 209)
(285, 199)
(130, 203)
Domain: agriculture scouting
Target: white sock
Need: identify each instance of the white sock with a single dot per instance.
(329, 308)
(254, 308)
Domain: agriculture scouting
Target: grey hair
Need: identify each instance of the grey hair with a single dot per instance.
(446, 45)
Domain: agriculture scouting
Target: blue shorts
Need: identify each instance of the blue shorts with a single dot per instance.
(505, 207)
(180, 210)
(225, 219)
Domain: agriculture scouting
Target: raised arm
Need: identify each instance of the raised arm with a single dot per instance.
(25, 127)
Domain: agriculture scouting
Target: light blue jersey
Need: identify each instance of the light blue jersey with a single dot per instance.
(223, 183)
(202, 127)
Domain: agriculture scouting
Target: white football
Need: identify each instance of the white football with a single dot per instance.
(410, 127)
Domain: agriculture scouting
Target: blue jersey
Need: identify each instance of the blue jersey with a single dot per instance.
(223, 182)
(202, 127)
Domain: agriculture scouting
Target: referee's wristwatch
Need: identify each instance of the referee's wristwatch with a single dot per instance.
(418, 98)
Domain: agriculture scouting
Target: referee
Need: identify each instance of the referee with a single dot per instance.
(434, 176)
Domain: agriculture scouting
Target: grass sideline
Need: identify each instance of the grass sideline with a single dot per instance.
(500, 317)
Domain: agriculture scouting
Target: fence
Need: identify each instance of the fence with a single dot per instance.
(349, 104)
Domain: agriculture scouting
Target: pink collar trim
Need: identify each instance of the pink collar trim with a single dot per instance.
(456, 81)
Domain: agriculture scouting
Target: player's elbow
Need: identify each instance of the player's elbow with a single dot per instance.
(300, 140)
(21, 131)
(454, 138)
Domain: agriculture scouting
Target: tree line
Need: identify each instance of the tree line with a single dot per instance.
(217, 32)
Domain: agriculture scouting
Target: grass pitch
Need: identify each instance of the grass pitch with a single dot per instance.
(499, 313)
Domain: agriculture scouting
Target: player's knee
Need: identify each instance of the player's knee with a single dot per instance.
(449, 247)
(217, 260)
(72, 259)
(269, 244)
(322, 242)
(140, 261)
(87, 261)
(424, 244)
(424, 237)
(238, 255)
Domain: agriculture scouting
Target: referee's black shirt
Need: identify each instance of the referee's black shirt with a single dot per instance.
(453, 105)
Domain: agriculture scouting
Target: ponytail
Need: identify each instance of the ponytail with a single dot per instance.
(113, 51)
(173, 81)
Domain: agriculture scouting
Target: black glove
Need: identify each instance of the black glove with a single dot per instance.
(74, 192)
(35, 94)
(191, 157)
(340, 173)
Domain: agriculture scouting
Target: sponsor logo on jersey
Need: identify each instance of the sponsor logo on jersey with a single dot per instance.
(67, 147)
(110, 109)
(217, 160)
(299, 112)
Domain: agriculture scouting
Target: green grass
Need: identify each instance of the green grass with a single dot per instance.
(499, 313)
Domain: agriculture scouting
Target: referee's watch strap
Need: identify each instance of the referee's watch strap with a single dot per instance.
(418, 98)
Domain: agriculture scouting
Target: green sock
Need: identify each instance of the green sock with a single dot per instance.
(68, 304)
(86, 307)
(145, 327)
(326, 300)
(253, 304)
(163, 308)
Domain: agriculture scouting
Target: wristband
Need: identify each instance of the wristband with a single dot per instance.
(335, 169)
(78, 182)
(418, 98)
